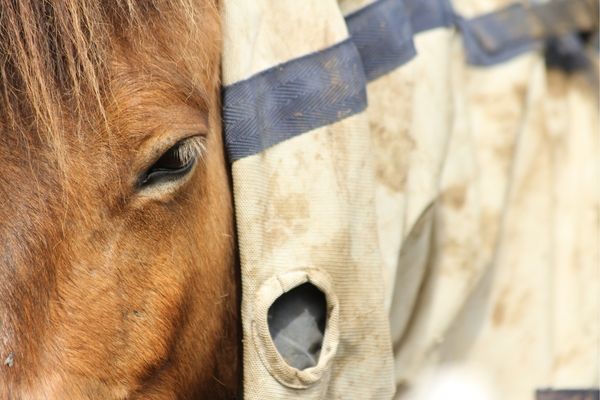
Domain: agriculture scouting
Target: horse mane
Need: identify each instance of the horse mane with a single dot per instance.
(55, 55)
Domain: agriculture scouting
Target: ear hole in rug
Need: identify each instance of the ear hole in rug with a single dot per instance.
(297, 321)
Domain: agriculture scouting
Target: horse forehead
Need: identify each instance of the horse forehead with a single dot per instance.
(24, 156)
(26, 192)
(30, 187)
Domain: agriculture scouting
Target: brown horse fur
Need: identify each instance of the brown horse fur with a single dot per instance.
(108, 291)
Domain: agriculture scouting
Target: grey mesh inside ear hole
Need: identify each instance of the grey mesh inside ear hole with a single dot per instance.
(297, 321)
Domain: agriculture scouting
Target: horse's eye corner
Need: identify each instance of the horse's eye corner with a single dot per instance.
(173, 164)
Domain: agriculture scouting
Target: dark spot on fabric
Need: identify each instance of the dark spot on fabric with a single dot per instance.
(498, 314)
(456, 196)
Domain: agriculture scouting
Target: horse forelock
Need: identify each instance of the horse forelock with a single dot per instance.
(56, 56)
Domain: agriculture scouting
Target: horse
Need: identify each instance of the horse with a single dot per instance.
(117, 261)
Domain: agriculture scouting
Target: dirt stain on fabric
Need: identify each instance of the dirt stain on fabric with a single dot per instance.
(498, 314)
(506, 314)
(455, 196)
(393, 154)
(291, 207)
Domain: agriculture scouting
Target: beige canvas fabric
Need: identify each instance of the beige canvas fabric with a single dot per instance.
(512, 277)
(538, 302)
(454, 222)
(305, 212)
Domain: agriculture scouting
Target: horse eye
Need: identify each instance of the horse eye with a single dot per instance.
(175, 163)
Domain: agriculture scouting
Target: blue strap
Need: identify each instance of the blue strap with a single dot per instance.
(497, 37)
(429, 14)
(501, 35)
(382, 33)
(326, 86)
(567, 53)
(292, 98)
(567, 394)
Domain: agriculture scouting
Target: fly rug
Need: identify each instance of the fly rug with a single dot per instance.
(416, 188)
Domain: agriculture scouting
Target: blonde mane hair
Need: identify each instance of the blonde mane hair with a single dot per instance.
(55, 54)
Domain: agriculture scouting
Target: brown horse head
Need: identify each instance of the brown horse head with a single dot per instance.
(116, 255)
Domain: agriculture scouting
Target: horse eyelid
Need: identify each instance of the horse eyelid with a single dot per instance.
(187, 151)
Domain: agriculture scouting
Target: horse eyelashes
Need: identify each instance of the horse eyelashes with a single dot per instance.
(188, 149)
(175, 163)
